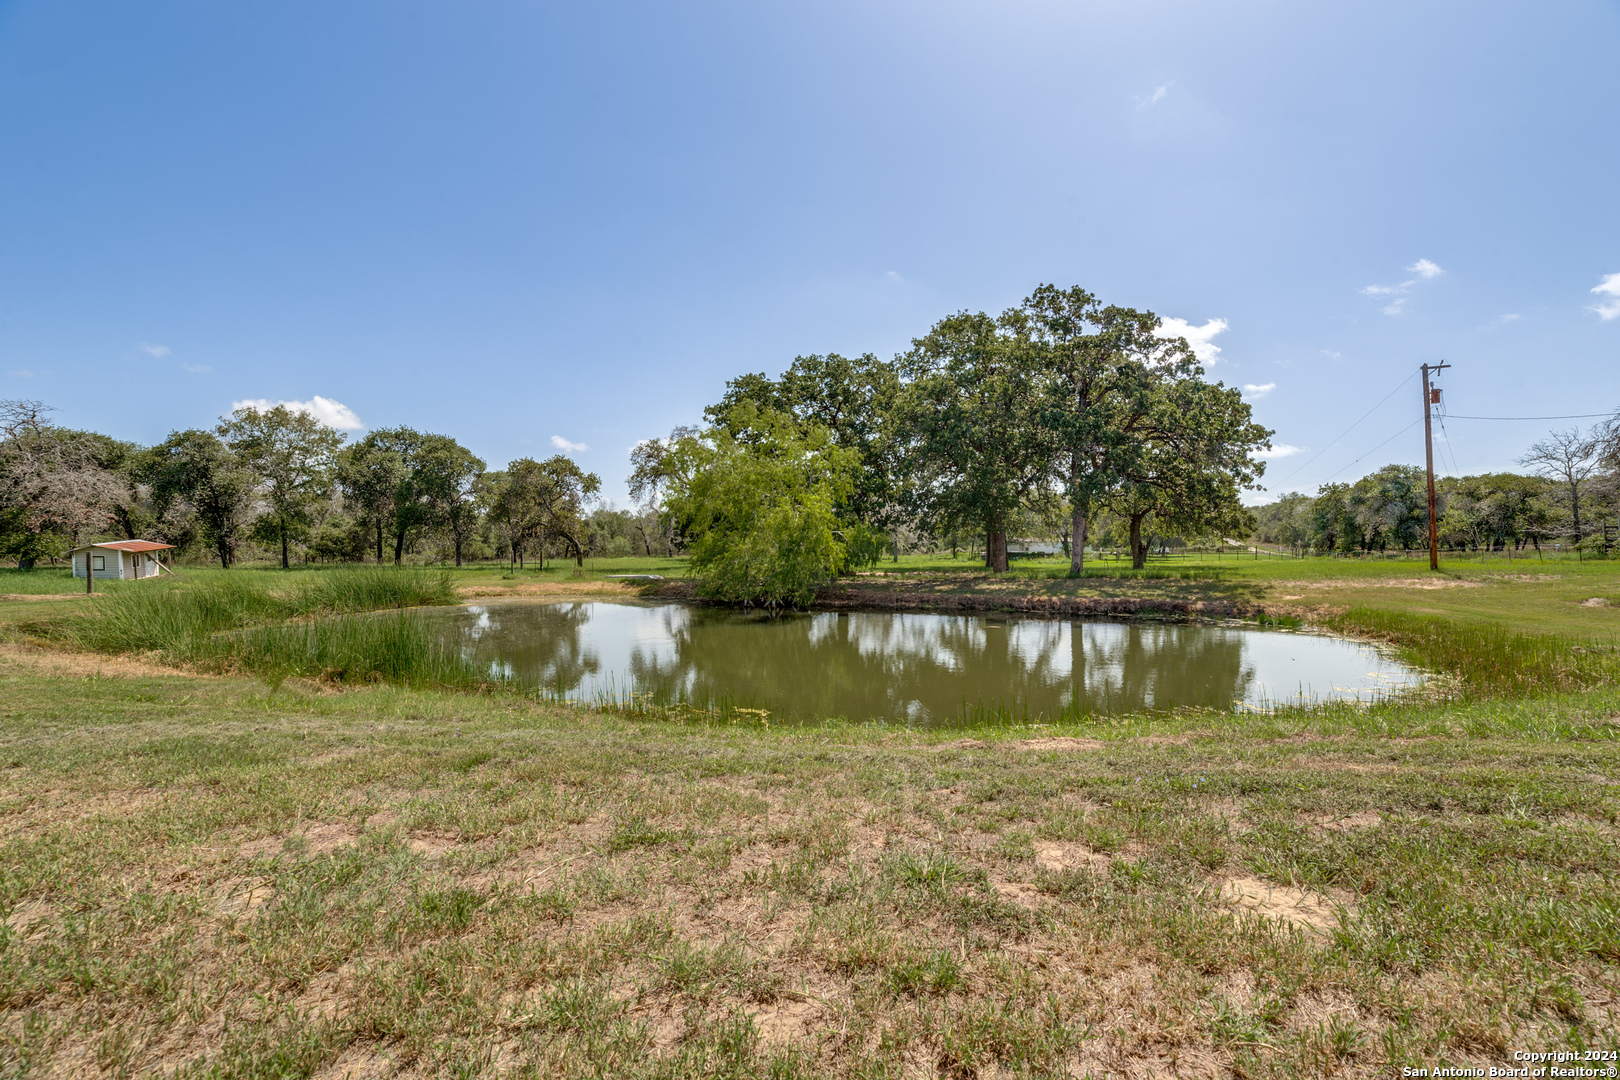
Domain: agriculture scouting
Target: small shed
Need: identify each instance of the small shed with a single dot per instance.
(120, 559)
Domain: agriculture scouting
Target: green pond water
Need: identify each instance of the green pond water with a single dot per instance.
(902, 666)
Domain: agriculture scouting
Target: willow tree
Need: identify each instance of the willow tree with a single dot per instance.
(972, 425)
(758, 501)
(853, 399)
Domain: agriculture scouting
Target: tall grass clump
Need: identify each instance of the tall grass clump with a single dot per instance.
(1489, 660)
(398, 647)
(174, 617)
(182, 618)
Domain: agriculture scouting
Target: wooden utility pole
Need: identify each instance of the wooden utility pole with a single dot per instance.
(1430, 399)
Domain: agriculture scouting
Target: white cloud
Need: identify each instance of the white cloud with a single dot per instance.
(1258, 391)
(1160, 92)
(334, 414)
(1425, 271)
(1331, 355)
(1608, 287)
(197, 369)
(568, 447)
(1279, 450)
(158, 351)
(24, 374)
(1201, 338)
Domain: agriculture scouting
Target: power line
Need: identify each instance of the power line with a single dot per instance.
(1445, 446)
(1577, 416)
(1347, 431)
(1380, 446)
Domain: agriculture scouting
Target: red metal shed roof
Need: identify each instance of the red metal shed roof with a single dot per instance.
(129, 545)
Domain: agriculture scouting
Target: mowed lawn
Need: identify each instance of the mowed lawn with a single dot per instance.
(205, 876)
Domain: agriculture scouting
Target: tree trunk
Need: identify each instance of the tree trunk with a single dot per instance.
(1078, 523)
(458, 548)
(1079, 511)
(284, 565)
(1138, 546)
(379, 541)
(1575, 508)
(25, 562)
(896, 537)
(995, 549)
(399, 546)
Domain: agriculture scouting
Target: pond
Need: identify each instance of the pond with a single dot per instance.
(911, 667)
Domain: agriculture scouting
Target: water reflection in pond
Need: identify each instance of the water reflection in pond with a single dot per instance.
(917, 667)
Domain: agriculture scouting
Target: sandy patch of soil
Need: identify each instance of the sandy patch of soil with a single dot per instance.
(963, 744)
(27, 597)
(1058, 855)
(1298, 907)
(243, 896)
(1060, 743)
(1596, 601)
(431, 845)
(359, 1063)
(382, 819)
(317, 840)
(1364, 819)
(25, 915)
(1016, 892)
(787, 1020)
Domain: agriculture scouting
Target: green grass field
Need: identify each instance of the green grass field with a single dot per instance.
(216, 875)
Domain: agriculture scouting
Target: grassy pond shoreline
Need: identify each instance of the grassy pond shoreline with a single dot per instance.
(206, 874)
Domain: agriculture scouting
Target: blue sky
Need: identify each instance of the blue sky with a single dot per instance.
(529, 225)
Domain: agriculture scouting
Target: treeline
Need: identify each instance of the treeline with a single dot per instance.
(277, 480)
(1573, 487)
(1061, 410)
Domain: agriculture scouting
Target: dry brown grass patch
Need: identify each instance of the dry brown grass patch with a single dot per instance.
(551, 590)
(62, 663)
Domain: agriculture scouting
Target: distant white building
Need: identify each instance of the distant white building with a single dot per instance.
(120, 559)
